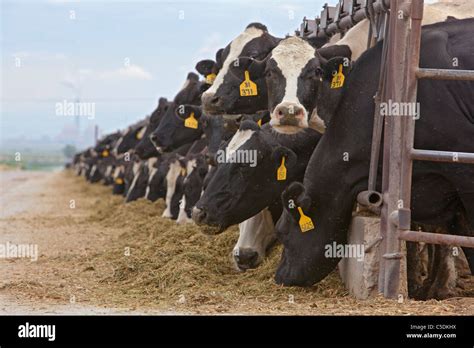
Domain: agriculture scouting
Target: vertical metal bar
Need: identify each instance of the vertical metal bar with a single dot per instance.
(395, 81)
(405, 34)
(387, 131)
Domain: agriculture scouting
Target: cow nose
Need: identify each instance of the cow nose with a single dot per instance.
(198, 215)
(245, 258)
(289, 110)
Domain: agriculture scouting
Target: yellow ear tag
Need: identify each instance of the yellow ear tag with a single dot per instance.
(210, 79)
(119, 181)
(306, 224)
(191, 122)
(105, 153)
(338, 79)
(183, 172)
(248, 88)
(259, 122)
(281, 172)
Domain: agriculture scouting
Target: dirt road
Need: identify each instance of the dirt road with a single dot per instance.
(97, 255)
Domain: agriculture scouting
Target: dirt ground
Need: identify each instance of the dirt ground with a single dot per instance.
(106, 257)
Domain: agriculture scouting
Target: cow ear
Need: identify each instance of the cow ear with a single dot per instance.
(260, 117)
(249, 125)
(294, 197)
(334, 51)
(285, 159)
(219, 61)
(205, 67)
(335, 66)
(185, 111)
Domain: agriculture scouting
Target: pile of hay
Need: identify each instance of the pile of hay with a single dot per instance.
(156, 259)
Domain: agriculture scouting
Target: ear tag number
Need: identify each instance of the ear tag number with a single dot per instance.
(306, 224)
(105, 153)
(338, 79)
(259, 122)
(191, 122)
(119, 181)
(210, 79)
(248, 88)
(281, 172)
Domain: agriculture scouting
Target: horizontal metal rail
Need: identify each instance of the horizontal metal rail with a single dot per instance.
(436, 238)
(445, 74)
(442, 156)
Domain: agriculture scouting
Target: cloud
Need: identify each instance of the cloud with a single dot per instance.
(131, 72)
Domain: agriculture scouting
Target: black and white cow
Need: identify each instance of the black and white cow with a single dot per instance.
(195, 169)
(223, 96)
(131, 137)
(145, 148)
(171, 132)
(442, 192)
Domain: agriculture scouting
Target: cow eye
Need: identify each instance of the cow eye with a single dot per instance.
(319, 71)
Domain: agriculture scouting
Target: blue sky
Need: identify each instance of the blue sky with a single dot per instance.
(69, 49)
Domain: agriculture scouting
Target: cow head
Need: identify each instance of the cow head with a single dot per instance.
(145, 148)
(246, 167)
(224, 95)
(131, 136)
(180, 125)
(256, 235)
(195, 169)
(172, 131)
(156, 180)
(292, 270)
(292, 74)
(304, 260)
(328, 97)
(138, 185)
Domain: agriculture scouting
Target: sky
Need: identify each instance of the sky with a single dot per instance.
(120, 55)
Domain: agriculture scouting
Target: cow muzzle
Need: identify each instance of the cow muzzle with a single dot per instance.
(201, 218)
(289, 114)
(246, 258)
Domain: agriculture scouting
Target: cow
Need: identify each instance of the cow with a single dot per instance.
(327, 201)
(194, 168)
(166, 136)
(130, 137)
(145, 148)
(223, 96)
